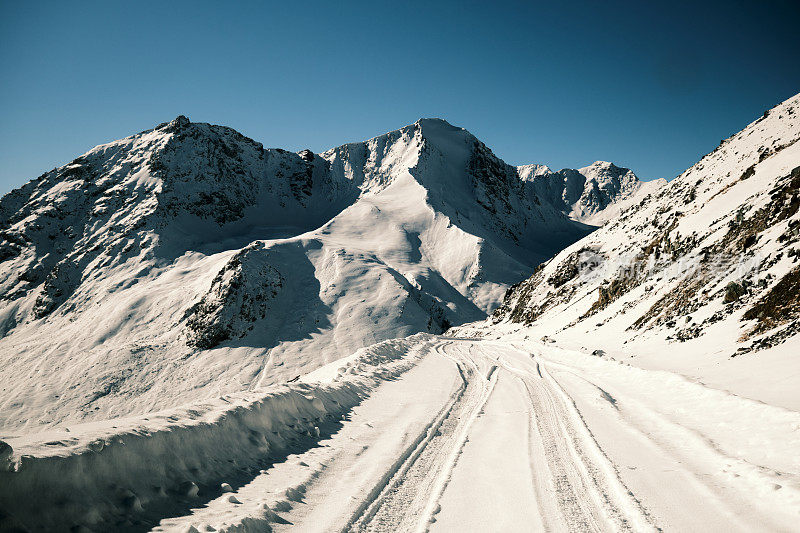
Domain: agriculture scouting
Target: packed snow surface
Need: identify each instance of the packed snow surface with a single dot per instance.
(431, 434)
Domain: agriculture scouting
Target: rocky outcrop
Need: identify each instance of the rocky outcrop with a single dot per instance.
(240, 294)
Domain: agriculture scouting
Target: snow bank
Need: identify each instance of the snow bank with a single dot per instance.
(128, 473)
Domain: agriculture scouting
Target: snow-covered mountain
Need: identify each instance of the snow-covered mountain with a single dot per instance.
(186, 265)
(706, 267)
(593, 194)
(188, 261)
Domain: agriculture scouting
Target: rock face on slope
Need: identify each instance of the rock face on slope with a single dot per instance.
(188, 261)
(240, 294)
(709, 261)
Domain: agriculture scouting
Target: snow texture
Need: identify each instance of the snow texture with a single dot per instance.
(699, 276)
(187, 261)
(185, 315)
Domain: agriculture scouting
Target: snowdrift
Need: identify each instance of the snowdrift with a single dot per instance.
(119, 474)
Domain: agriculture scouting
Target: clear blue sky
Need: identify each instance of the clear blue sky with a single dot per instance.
(652, 87)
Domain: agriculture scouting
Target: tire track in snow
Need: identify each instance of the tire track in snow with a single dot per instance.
(641, 419)
(368, 507)
(571, 493)
(588, 494)
(576, 490)
(408, 500)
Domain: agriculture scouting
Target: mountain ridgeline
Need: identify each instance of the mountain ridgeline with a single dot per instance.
(709, 263)
(188, 261)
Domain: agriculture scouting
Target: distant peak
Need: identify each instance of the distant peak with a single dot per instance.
(439, 132)
(602, 164)
(603, 168)
(533, 170)
(433, 120)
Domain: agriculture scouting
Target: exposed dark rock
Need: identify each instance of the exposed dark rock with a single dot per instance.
(733, 291)
(57, 287)
(6, 452)
(779, 306)
(240, 294)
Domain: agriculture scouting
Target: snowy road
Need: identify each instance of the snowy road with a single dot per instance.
(494, 436)
(507, 455)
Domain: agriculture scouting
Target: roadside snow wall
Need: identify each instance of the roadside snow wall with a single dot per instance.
(127, 474)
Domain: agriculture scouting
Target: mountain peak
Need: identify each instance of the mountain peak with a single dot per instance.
(604, 167)
(532, 170)
(602, 164)
(433, 128)
(175, 124)
(434, 121)
(180, 120)
(583, 194)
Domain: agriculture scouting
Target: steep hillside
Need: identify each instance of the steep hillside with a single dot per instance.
(187, 262)
(699, 271)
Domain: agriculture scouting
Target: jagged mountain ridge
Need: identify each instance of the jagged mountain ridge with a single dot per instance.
(707, 263)
(188, 261)
(593, 194)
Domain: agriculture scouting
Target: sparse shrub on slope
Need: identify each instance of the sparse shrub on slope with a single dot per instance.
(733, 291)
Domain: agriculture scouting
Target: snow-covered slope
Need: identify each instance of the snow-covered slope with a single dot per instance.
(142, 269)
(593, 194)
(188, 261)
(699, 271)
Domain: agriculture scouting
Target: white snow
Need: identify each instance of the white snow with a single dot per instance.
(460, 434)
(317, 256)
(193, 353)
(89, 474)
